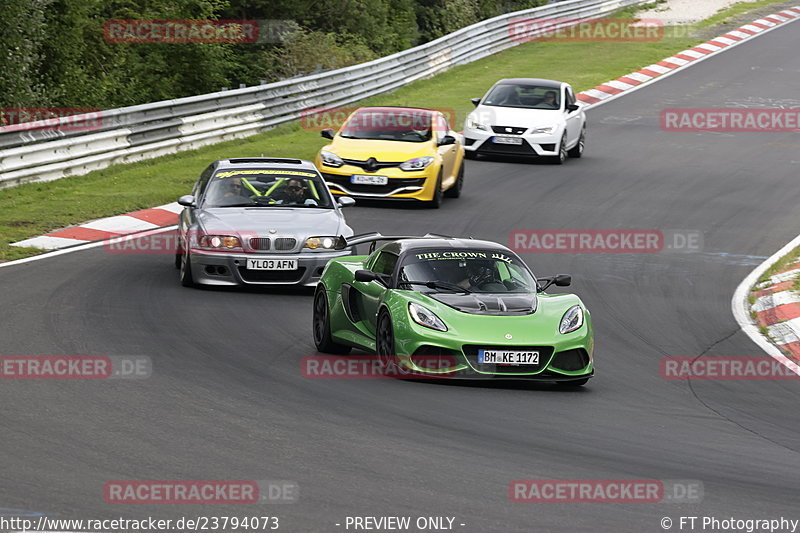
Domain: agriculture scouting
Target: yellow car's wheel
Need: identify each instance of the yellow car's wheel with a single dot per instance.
(436, 201)
(455, 190)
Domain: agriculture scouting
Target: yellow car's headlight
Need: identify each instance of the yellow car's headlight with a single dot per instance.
(329, 159)
(418, 163)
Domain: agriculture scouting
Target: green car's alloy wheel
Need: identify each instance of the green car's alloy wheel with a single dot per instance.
(455, 190)
(322, 326)
(384, 340)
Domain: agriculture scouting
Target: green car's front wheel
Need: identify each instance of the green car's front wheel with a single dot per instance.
(322, 326)
(384, 340)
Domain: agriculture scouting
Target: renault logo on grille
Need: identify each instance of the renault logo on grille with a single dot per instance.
(509, 130)
(372, 164)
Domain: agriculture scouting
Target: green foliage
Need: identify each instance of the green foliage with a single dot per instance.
(53, 52)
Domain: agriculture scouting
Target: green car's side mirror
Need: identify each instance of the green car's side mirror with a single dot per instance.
(365, 276)
(563, 280)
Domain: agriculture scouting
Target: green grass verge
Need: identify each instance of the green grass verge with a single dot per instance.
(730, 14)
(34, 209)
(782, 264)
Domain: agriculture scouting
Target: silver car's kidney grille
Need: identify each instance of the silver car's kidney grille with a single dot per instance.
(260, 243)
(285, 243)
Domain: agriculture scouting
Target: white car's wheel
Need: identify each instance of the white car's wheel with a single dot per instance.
(561, 158)
(577, 150)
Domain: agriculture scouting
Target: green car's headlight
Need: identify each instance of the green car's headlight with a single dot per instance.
(418, 163)
(572, 319)
(329, 159)
(425, 317)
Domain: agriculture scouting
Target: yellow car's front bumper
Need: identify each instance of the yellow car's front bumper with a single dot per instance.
(419, 185)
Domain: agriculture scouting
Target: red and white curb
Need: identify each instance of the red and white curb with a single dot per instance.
(613, 89)
(777, 307)
(166, 215)
(107, 228)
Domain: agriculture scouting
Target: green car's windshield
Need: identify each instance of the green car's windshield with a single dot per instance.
(479, 271)
(267, 188)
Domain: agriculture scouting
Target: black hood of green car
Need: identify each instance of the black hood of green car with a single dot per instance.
(497, 304)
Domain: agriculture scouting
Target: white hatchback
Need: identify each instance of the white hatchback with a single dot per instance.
(527, 117)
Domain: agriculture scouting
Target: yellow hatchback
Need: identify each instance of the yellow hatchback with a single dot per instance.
(402, 153)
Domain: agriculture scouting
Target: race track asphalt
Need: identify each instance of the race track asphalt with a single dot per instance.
(227, 401)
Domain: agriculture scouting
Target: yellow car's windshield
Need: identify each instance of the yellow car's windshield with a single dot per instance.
(406, 125)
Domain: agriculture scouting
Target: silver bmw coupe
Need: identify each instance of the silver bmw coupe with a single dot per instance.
(259, 221)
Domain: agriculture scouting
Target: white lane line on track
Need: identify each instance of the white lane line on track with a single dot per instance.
(740, 304)
(81, 247)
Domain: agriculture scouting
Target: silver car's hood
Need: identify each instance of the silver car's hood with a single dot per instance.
(258, 221)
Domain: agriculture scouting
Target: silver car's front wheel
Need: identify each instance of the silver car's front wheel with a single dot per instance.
(186, 270)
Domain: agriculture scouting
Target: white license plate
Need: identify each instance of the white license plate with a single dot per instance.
(361, 179)
(507, 140)
(272, 264)
(508, 357)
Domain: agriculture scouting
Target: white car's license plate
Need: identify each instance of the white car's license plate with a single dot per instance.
(362, 179)
(508, 357)
(507, 140)
(272, 264)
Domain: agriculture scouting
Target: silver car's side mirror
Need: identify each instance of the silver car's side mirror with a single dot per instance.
(346, 201)
(187, 201)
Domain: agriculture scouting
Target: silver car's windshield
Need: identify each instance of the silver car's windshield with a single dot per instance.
(479, 271)
(523, 96)
(267, 188)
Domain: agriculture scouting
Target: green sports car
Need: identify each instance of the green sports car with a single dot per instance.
(449, 307)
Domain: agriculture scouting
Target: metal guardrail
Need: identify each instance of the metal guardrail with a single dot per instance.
(35, 154)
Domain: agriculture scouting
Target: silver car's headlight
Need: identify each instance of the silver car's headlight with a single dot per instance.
(418, 163)
(425, 317)
(220, 242)
(329, 159)
(546, 130)
(475, 125)
(325, 243)
(572, 319)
